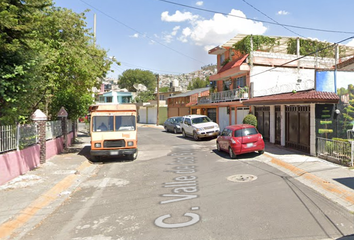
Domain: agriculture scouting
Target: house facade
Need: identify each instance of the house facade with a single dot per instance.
(115, 97)
(278, 87)
(179, 104)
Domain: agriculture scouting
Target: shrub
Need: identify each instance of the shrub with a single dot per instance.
(250, 119)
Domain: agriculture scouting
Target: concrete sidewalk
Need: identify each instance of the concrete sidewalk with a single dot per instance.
(26, 200)
(334, 181)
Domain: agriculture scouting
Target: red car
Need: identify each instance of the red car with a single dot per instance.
(239, 139)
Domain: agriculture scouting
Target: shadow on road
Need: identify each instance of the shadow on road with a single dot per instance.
(245, 156)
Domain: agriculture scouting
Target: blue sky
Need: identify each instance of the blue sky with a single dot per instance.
(172, 39)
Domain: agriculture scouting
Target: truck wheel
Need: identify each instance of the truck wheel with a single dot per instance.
(95, 159)
(133, 156)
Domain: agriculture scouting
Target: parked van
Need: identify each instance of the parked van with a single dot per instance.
(113, 130)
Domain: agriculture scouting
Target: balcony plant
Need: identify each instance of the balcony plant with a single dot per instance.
(242, 92)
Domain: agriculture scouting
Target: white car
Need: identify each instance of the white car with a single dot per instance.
(199, 126)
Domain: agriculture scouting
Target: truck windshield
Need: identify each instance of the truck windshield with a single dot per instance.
(113, 123)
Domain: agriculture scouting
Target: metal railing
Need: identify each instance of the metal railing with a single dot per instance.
(230, 95)
(341, 152)
(17, 137)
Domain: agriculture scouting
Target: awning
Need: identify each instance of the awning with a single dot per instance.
(232, 68)
(310, 96)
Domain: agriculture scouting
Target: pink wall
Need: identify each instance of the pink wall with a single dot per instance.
(16, 163)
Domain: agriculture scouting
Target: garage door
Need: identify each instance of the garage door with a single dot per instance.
(172, 112)
(183, 111)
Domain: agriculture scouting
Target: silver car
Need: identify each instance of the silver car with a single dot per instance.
(199, 126)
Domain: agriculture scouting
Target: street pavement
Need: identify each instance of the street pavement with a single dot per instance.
(26, 200)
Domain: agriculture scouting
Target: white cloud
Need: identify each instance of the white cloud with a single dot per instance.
(219, 29)
(136, 35)
(351, 43)
(177, 17)
(282, 12)
(168, 37)
(199, 3)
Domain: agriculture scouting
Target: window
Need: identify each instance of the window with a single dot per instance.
(126, 99)
(109, 99)
(113, 123)
(162, 97)
(245, 132)
(222, 58)
(201, 120)
(239, 82)
(124, 123)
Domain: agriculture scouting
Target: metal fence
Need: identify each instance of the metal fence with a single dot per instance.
(17, 137)
(341, 152)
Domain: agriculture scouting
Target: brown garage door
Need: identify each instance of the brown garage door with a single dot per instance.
(172, 112)
(297, 134)
(183, 111)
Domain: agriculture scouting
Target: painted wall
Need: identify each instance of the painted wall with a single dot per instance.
(16, 163)
(280, 80)
(223, 118)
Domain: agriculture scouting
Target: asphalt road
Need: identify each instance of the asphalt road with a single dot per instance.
(179, 188)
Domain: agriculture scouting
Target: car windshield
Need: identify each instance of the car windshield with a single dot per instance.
(113, 123)
(201, 120)
(245, 132)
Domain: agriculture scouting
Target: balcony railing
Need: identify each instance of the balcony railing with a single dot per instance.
(225, 96)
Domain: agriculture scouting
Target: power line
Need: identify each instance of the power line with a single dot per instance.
(136, 31)
(273, 19)
(309, 54)
(231, 15)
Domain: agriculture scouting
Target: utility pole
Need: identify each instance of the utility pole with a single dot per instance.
(158, 98)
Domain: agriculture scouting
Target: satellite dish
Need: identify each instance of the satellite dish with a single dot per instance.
(140, 87)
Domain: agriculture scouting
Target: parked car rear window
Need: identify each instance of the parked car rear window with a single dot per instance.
(245, 132)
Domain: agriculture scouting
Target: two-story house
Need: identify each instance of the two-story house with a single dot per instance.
(179, 104)
(280, 84)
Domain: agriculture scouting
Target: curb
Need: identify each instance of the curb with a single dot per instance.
(338, 191)
(9, 227)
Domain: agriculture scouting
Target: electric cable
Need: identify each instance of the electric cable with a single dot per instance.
(136, 31)
(231, 15)
(273, 19)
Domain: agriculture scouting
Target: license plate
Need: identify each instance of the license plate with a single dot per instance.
(249, 144)
(114, 152)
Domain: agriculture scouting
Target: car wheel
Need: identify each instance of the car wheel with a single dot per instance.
(218, 146)
(260, 152)
(232, 154)
(175, 130)
(133, 156)
(195, 136)
(184, 133)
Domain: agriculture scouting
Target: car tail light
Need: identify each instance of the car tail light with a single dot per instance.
(260, 136)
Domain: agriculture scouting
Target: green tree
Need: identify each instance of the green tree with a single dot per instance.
(136, 76)
(198, 83)
(144, 96)
(48, 53)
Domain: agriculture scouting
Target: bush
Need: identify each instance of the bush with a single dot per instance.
(250, 119)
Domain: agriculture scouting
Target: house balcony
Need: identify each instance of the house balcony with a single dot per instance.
(225, 96)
